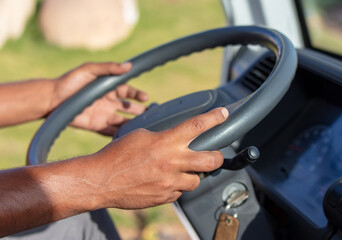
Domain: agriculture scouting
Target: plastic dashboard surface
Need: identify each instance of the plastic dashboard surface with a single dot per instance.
(311, 162)
(301, 146)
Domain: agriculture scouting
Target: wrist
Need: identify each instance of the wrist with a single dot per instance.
(104, 176)
(54, 100)
(71, 187)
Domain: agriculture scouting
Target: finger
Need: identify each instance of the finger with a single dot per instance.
(203, 162)
(106, 68)
(195, 126)
(117, 120)
(126, 91)
(131, 108)
(175, 196)
(188, 182)
(108, 131)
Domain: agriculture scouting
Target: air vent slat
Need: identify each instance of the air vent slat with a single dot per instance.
(271, 59)
(267, 64)
(251, 77)
(258, 74)
(250, 86)
(263, 69)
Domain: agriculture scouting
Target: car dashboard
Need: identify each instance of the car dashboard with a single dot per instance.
(300, 142)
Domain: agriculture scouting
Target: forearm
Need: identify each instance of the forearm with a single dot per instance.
(29, 100)
(33, 196)
(137, 171)
(25, 101)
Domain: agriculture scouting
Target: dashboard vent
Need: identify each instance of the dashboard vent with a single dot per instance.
(257, 75)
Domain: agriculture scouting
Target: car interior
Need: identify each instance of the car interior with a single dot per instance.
(282, 175)
(294, 188)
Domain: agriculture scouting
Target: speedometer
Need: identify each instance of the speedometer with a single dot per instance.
(310, 163)
(307, 151)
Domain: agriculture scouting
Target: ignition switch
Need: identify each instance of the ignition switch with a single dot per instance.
(235, 194)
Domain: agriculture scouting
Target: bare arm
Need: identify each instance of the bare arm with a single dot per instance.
(25, 101)
(30, 100)
(142, 169)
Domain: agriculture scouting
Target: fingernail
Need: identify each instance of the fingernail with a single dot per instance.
(144, 97)
(126, 65)
(224, 112)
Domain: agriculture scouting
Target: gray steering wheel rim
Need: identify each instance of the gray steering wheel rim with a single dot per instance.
(251, 112)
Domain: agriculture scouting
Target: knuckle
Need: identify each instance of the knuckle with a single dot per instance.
(214, 160)
(123, 88)
(162, 199)
(195, 183)
(166, 185)
(198, 125)
(86, 65)
(211, 162)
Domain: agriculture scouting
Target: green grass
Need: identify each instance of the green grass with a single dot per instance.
(160, 21)
(328, 39)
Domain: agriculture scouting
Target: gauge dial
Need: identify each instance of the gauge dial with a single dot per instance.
(307, 151)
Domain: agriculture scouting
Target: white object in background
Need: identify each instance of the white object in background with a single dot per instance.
(13, 17)
(241, 12)
(90, 24)
(277, 14)
(185, 221)
(130, 11)
(282, 16)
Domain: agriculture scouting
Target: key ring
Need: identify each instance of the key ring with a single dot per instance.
(231, 210)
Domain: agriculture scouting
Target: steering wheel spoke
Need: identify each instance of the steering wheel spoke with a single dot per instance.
(234, 106)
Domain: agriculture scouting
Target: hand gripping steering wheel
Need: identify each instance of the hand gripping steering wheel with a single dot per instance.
(247, 112)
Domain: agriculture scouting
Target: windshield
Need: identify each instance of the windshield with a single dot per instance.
(324, 24)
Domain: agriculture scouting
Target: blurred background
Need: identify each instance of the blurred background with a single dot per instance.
(324, 23)
(46, 38)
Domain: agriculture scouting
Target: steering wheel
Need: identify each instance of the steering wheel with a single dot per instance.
(244, 114)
